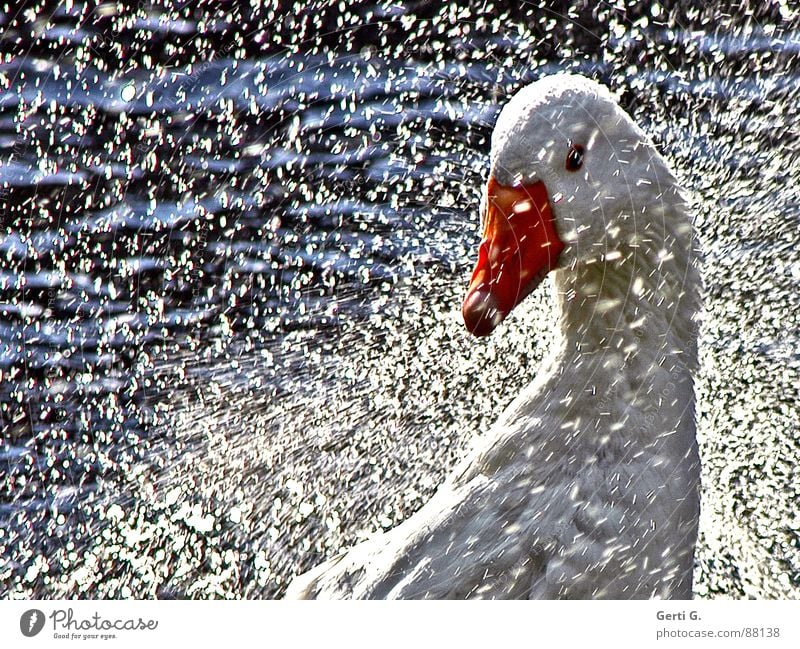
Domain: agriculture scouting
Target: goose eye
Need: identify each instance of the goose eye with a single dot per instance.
(575, 157)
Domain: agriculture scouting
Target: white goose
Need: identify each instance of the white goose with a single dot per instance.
(587, 485)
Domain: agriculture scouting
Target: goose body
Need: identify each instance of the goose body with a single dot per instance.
(587, 485)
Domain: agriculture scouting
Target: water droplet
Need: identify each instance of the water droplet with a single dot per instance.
(128, 92)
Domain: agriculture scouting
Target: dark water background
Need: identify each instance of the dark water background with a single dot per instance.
(233, 244)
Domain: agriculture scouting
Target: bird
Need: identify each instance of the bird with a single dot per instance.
(587, 486)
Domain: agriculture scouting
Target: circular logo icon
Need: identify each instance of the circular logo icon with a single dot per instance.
(31, 622)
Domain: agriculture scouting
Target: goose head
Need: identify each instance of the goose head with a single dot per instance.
(573, 181)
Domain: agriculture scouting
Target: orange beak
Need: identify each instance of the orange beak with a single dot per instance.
(520, 246)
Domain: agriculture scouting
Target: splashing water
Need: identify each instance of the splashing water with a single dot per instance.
(232, 254)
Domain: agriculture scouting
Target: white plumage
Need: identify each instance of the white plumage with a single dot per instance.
(587, 485)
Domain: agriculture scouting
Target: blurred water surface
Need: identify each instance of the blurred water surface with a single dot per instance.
(233, 243)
